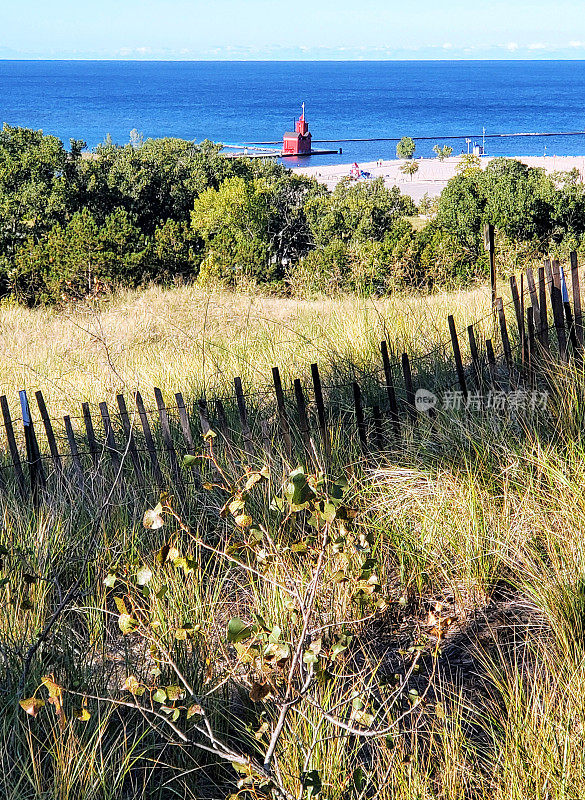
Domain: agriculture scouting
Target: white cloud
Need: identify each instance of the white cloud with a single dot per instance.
(512, 46)
(577, 44)
(447, 46)
(537, 46)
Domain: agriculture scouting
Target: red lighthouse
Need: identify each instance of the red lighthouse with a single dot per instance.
(299, 142)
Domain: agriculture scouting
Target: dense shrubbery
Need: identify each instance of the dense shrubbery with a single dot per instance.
(75, 225)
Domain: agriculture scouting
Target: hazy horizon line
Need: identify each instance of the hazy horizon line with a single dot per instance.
(118, 59)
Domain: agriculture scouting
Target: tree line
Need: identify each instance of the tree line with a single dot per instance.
(75, 224)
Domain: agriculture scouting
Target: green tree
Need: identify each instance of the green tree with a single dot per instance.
(30, 199)
(359, 211)
(461, 213)
(520, 201)
(405, 147)
(233, 223)
(442, 152)
(79, 259)
(173, 252)
(468, 163)
(409, 168)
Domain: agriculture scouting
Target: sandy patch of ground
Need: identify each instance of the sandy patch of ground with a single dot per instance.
(433, 175)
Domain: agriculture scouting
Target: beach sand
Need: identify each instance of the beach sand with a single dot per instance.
(433, 175)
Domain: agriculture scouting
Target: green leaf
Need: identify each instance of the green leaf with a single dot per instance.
(190, 461)
(342, 643)
(160, 696)
(238, 630)
(297, 490)
(359, 778)
(338, 488)
(329, 512)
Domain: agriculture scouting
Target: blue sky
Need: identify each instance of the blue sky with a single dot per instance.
(265, 29)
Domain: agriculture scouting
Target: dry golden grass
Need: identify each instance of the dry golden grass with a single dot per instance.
(482, 515)
(187, 339)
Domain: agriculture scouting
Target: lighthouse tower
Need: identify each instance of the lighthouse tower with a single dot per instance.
(298, 143)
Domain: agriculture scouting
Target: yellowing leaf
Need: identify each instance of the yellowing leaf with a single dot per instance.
(153, 520)
(127, 623)
(173, 692)
(132, 685)
(236, 506)
(110, 580)
(32, 705)
(53, 688)
(120, 605)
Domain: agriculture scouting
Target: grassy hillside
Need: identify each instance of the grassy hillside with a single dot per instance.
(410, 628)
(186, 339)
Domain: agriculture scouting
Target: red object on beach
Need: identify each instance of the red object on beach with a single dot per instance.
(355, 172)
(298, 143)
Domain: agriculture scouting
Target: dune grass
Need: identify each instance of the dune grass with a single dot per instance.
(190, 340)
(474, 524)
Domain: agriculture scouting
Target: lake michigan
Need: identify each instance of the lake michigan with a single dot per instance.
(235, 102)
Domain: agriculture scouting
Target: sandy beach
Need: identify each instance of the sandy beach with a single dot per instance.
(433, 175)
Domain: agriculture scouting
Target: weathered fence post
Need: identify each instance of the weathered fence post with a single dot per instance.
(390, 391)
(49, 432)
(576, 296)
(13, 449)
(243, 414)
(457, 355)
(37, 475)
(359, 417)
(282, 415)
(149, 440)
(321, 414)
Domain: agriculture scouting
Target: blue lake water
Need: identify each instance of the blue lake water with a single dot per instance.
(238, 102)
